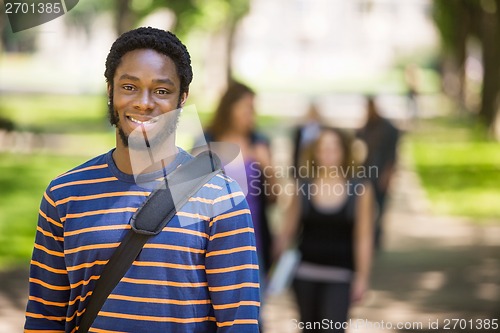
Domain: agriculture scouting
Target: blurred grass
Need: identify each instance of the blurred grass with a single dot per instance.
(458, 166)
(74, 114)
(389, 82)
(23, 179)
(56, 113)
(68, 113)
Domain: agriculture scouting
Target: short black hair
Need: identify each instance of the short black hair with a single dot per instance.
(161, 41)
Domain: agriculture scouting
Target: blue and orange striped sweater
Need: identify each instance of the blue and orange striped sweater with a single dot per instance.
(200, 274)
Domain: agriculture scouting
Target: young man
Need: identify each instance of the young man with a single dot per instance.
(381, 138)
(200, 276)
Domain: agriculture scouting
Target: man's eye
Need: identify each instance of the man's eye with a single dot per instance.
(162, 91)
(128, 87)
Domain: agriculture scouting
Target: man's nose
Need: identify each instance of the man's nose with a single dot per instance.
(145, 101)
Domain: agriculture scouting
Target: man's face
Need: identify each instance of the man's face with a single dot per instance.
(145, 86)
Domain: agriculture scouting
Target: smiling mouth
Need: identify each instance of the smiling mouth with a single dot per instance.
(143, 122)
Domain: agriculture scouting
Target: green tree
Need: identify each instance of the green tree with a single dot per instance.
(223, 17)
(213, 16)
(457, 21)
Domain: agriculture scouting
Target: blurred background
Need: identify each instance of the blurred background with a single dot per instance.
(433, 66)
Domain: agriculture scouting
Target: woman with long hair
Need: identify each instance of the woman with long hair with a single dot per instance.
(234, 122)
(331, 220)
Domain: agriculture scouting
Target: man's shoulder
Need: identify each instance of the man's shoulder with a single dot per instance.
(90, 169)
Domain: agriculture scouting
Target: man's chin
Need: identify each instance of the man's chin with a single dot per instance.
(140, 143)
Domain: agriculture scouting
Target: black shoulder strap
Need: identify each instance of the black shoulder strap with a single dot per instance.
(154, 214)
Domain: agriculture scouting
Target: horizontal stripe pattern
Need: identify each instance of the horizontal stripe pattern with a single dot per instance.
(84, 182)
(199, 274)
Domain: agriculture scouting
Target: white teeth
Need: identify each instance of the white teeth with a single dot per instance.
(137, 121)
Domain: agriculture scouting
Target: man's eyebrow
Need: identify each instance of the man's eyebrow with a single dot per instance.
(135, 78)
(164, 81)
(129, 77)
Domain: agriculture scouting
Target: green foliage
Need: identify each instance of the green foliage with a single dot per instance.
(186, 11)
(208, 15)
(445, 15)
(458, 21)
(459, 168)
(455, 17)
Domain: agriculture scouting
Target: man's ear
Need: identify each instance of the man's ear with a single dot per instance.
(183, 98)
(109, 89)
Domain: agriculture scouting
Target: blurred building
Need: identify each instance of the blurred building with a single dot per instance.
(330, 39)
(331, 50)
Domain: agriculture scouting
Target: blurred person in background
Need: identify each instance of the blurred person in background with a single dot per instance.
(411, 81)
(331, 220)
(234, 122)
(381, 138)
(306, 133)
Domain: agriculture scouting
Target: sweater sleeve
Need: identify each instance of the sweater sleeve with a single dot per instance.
(232, 270)
(49, 287)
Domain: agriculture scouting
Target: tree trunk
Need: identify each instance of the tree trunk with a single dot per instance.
(125, 17)
(3, 22)
(231, 33)
(495, 126)
(461, 34)
(491, 64)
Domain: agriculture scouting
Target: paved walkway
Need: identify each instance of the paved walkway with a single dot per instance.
(13, 296)
(432, 268)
